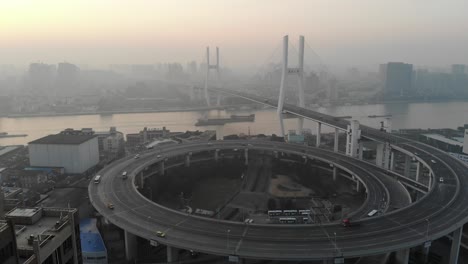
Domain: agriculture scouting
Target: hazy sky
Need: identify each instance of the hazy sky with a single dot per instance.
(351, 32)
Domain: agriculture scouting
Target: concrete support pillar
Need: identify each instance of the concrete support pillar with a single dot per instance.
(207, 96)
(358, 186)
(216, 155)
(430, 180)
(425, 253)
(407, 169)
(418, 171)
(353, 135)
(172, 254)
(218, 99)
(284, 73)
(187, 161)
(335, 145)
(246, 155)
(402, 256)
(161, 168)
(335, 172)
(300, 125)
(382, 158)
(142, 180)
(455, 249)
(361, 150)
(281, 121)
(392, 160)
(276, 154)
(131, 247)
(219, 133)
(319, 131)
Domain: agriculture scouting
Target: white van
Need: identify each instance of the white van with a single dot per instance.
(97, 179)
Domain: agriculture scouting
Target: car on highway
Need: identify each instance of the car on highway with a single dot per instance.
(161, 234)
(137, 156)
(124, 175)
(441, 180)
(97, 179)
(110, 206)
(433, 161)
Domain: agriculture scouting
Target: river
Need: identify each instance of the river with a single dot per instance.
(404, 115)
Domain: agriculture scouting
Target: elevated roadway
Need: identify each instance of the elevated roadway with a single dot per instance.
(444, 208)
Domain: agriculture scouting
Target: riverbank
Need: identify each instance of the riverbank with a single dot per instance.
(136, 111)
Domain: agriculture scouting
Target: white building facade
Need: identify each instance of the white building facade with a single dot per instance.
(75, 153)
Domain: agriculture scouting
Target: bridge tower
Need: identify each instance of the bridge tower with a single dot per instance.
(299, 72)
(208, 68)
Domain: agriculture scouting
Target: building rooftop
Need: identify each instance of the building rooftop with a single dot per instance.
(444, 139)
(23, 212)
(91, 240)
(63, 139)
(49, 224)
(10, 191)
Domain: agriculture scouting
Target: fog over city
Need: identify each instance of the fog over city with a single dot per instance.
(233, 131)
(362, 32)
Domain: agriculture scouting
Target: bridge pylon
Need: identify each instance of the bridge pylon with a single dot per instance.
(299, 72)
(207, 76)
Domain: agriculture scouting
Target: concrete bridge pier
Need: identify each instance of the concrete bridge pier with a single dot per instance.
(142, 180)
(418, 171)
(161, 168)
(216, 155)
(353, 135)
(361, 150)
(392, 160)
(430, 180)
(425, 253)
(187, 160)
(131, 247)
(382, 157)
(172, 254)
(335, 172)
(300, 125)
(319, 131)
(335, 145)
(407, 170)
(455, 249)
(358, 185)
(246, 155)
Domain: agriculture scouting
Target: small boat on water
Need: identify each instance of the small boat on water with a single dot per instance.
(6, 135)
(222, 121)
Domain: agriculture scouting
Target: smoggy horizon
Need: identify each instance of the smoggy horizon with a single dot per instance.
(363, 32)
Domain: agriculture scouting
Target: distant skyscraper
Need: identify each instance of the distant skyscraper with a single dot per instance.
(192, 68)
(67, 76)
(41, 76)
(459, 78)
(397, 78)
